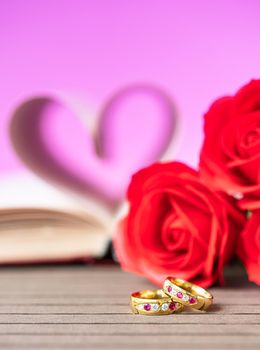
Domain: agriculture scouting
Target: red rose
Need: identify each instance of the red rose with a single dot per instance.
(175, 226)
(249, 247)
(230, 156)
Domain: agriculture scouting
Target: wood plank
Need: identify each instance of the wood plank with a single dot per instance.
(118, 342)
(132, 329)
(100, 308)
(129, 319)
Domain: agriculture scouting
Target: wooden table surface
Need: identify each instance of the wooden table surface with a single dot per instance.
(86, 307)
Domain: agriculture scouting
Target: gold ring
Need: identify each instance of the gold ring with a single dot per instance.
(187, 293)
(153, 302)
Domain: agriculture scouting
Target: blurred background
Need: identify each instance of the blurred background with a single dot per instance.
(91, 91)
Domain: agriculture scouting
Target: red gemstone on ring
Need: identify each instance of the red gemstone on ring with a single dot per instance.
(169, 289)
(179, 295)
(172, 306)
(192, 300)
(147, 307)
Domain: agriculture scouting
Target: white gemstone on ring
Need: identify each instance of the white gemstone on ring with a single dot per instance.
(185, 297)
(155, 307)
(165, 307)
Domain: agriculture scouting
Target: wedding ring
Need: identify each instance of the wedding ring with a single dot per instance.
(153, 302)
(187, 293)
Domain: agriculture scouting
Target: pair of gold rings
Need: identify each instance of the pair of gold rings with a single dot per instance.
(173, 297)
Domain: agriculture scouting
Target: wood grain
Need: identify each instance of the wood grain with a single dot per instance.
(86, 307)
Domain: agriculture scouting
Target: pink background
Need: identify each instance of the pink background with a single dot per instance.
(87, 49)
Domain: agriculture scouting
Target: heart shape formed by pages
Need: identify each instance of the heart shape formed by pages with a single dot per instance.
(133, 130)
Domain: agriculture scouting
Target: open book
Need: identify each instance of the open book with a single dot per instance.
(39, 223)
